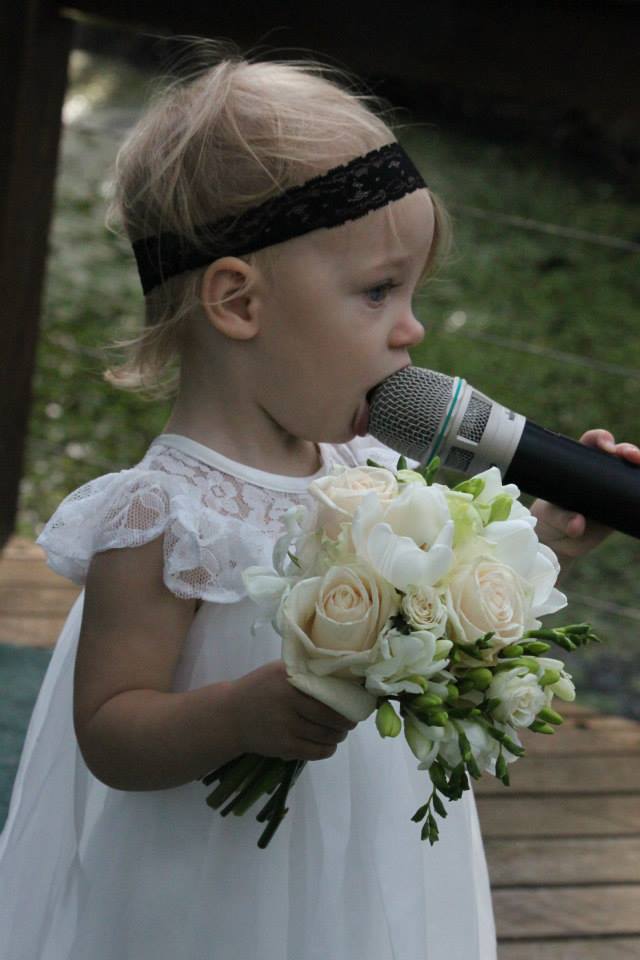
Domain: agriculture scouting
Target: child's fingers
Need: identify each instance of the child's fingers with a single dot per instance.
(604, 440)
(311, 709)
(315, 733)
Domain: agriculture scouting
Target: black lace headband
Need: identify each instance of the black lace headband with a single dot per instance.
(343, 193)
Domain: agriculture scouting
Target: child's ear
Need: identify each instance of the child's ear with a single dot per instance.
(227, 298)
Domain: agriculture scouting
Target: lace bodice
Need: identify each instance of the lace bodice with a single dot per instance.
(217, 516)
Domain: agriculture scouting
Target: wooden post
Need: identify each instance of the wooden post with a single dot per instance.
(34, 49)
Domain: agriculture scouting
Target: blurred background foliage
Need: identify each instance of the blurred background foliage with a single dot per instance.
(544, 322)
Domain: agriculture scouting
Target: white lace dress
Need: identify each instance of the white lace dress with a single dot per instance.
(92, 873)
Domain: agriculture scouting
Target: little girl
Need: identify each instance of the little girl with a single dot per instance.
(280, 233)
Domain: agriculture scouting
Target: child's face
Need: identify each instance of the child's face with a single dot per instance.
(338, 318)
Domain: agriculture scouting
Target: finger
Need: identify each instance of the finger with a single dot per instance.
(575, 526)
(628, 451)
(307, 750)
(603, 439)
(311, 709)
(316, 733)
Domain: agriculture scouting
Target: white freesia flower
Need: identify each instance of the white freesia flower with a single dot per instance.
(296, 521)
(419, 512)
(341, 492)
(403, 655)
(484, 747)
(493, 487)
(564, 688)
(266, 588)
(521, 697)
(331, 627)
(424, 741)
(388, 541)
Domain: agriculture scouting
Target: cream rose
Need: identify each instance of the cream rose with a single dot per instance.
(485, 596)
(341, 492)
(424, 610)
(331, 628)
(521, 696)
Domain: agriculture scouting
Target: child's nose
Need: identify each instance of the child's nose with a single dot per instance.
(408, 332)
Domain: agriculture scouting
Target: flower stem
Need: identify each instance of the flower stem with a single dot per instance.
(242, 768)
(277, 802)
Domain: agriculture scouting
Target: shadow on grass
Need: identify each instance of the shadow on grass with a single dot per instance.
(21, 672)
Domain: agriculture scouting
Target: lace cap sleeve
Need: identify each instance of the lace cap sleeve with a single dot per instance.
(204, 554)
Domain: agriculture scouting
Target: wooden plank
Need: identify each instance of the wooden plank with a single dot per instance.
(607, 815)
(565, 860)
(599, 910)
(38, 601)
(598, 735)
(558, 775)
(30, 631)
(23, 574)
(616, 948)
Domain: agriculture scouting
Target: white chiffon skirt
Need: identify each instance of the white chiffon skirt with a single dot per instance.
(92, 873)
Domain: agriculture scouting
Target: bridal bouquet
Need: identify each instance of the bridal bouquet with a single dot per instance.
(402, 596)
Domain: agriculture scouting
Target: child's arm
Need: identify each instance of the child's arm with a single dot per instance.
(133, 732)
(571, 535)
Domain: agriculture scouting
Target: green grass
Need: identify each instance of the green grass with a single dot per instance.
(537, 291)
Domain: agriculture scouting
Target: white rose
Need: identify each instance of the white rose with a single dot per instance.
(403, 655)
(330, 627)
(408, 541)
(521, 697)
(485, 596)
(341, 492)
(424, 610)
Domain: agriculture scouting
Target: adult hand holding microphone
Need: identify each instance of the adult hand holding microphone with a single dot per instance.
(423, 414)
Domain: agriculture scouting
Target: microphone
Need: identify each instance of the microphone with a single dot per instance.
(423, 414)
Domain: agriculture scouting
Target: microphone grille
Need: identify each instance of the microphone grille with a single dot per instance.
(407, 409)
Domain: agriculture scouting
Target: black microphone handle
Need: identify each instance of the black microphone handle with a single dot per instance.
(578, 478)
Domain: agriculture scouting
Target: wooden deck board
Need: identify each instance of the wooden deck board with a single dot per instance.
(562, 842)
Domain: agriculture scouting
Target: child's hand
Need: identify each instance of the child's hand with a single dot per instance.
(570, 534)
(276, 720)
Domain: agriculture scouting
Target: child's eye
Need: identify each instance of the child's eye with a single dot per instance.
(379, 293)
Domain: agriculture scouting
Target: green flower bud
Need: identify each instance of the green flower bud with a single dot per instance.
(426, 701)
(388, 722)
(481, 677)
(550, 716)
(453, 691)
(410, 476)
(549, 677)
(539, 727)
(501, 767)
(500, 507)
(436, 718)
(514, 650)
(474, 486)
(536, 647)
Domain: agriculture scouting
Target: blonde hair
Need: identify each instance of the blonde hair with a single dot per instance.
(217, 144)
